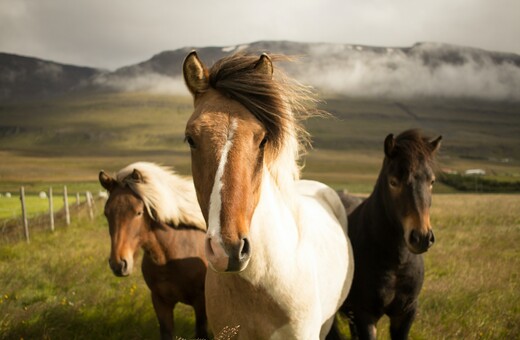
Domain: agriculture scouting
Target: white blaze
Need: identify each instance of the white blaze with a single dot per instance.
(215, 201)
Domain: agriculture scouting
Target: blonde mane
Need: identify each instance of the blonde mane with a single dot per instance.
(167, 196)
(278, 102)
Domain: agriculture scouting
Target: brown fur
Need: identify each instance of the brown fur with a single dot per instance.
(279, 103)
(173, 265)
(255, 298)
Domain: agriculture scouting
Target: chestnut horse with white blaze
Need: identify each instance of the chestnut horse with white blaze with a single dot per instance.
(152, 208)
(281, 262)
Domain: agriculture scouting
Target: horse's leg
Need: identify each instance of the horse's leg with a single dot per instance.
(164, 313)
(400, 324)
(201, 324)
(363, 326)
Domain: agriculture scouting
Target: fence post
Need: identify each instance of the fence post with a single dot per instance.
(77, 199)
(51, 209)
(66, 203)
(89, 204)
(24, 214)
(94, 207)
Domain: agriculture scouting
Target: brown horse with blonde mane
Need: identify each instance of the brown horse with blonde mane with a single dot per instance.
(152, 208)
(389, 231)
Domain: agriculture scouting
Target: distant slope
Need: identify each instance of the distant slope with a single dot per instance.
(26, 77)
(424, 70)
(432, 55)
(74, 137)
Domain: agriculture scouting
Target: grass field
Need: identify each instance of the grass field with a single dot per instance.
(60, 285)
(11, 207)
(72, 138)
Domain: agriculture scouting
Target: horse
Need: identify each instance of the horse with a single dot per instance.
(389, 231)
(280, 259)
(350, 202)
(152, 208)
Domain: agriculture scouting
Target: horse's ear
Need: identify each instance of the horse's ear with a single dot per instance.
(106, 181)
(390, 146)
(264, 65)
(136, 176)
(195, 73)
(436, 144)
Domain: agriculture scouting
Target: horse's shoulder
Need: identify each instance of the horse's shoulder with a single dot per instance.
(325, 196)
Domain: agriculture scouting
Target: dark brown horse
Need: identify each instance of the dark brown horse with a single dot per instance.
(156, 210)
(389, 231)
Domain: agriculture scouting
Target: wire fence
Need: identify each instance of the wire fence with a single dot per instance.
(18, 223)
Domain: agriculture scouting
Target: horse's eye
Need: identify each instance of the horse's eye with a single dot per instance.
(139, 213)
(263, 142)
(393, 182)
(190, 141)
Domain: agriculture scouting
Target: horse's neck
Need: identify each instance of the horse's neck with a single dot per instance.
(274, 232)
(158, 242)
(383, 219)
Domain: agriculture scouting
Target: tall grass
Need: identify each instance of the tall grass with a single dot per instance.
(60, 286)
(472, 284)
(471, 287)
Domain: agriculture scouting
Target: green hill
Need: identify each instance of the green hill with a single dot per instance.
(72, 138)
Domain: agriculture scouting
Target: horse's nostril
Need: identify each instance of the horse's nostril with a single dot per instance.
(245, 250)
(414, 237)
(124, 265)
(431, 238)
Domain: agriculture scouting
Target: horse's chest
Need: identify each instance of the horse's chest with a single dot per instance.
(177, 280)
(399, 287)
(387, 288)
(234, 302)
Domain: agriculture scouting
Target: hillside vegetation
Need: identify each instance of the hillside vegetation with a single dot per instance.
(71, 139)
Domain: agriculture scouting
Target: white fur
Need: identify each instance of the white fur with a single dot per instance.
(215, 202)
(300, 252)
(305, 261)
(167, 196)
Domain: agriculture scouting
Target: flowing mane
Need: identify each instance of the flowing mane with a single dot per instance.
(278, 102)
(167, 196)
(273, 242)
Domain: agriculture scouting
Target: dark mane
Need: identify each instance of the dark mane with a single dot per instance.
(412, 147)
(278, 102)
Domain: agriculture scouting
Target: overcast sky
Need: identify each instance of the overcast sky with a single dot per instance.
(114, 33)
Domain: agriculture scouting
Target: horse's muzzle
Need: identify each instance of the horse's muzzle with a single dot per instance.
(418, 243)
(228, 258)
(120, 268)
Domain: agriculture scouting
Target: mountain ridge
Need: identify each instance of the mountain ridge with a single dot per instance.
(336, 69)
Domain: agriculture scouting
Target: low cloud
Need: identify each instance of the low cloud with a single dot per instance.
(424, 70)
(147, 82)
(393, 73)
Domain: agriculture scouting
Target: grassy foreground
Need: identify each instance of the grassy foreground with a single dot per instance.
(471, 285)
(60, 286)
